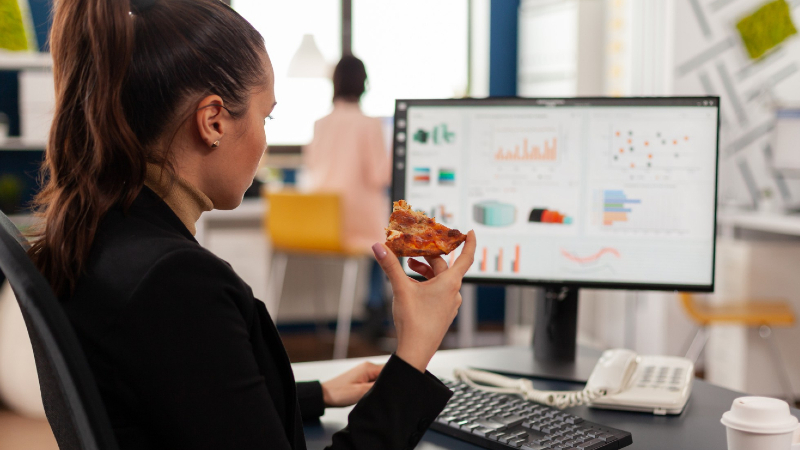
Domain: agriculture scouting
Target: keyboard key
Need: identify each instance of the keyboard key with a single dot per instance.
(496, 436)
(482, 431)
(510, 420)
(591, 445)
(496, 426)
(470, 426)
(607, 437)
(535, 426)
(547, 429)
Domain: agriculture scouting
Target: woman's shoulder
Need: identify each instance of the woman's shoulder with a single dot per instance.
(143, 268)
(132, 249)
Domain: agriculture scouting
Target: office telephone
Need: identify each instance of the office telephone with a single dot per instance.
(621, 380)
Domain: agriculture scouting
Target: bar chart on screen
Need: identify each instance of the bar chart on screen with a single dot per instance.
(656, 209)
(528, 152)
(535, 145)
(616, 206)
(499, 260)
(442, 213)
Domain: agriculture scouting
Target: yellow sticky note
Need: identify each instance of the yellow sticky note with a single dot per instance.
(767, 27)
(12, 30)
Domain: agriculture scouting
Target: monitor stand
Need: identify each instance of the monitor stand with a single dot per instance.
(555, 355)
(555, 330)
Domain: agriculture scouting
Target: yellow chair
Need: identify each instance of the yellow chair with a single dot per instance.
(762, 314)
(311, 225)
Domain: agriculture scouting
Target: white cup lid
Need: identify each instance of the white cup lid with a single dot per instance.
(762, 415)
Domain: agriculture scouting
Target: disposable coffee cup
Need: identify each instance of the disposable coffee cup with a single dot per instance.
(759, 423)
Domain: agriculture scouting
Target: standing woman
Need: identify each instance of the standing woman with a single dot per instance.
(348, 156)
(160, 110)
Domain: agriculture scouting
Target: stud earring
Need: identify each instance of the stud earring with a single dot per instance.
(215, 144)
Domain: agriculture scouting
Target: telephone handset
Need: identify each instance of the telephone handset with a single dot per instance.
(613, 371)
(621, 380)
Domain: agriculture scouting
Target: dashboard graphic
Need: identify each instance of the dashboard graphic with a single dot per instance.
(616, 206)
(499, 261)
(494, 214)
(438, 135)
(543, 215)
(447, 177)
(422, 175)
(607, 192)
(591, 258)
(442, 214)
(529, 153)
(604, 261)
(647, 146)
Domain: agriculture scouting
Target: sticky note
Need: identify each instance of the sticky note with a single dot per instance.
(767, 27)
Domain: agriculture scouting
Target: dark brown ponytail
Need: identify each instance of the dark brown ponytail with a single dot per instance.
(122, 81)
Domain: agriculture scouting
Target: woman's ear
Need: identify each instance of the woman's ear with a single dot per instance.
(209, 116)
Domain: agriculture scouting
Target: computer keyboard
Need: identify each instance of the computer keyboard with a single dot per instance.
(501, 421)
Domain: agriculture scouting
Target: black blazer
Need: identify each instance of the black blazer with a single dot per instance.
(186, 358)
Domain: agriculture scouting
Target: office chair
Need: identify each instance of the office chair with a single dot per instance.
(311, 225)
(761, 314)
(71, 400)
(10, 228)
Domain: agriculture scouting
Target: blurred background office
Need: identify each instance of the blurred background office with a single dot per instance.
(475, 48)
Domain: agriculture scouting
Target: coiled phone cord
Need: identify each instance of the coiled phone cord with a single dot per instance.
(492, 382)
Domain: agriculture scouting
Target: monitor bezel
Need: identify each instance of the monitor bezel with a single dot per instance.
(398, 182)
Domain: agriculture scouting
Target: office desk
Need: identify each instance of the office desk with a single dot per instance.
(697, 428)
(249, 214)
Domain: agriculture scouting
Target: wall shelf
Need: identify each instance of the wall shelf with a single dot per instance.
(25, 60)
(18, 144)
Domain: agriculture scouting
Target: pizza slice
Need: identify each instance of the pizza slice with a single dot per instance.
(412, 233)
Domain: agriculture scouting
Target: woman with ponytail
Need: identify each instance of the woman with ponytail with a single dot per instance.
(160, 110)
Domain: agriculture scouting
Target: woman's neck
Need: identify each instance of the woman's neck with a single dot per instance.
(185, 200)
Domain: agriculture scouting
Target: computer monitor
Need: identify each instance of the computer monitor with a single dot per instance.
(568, 192)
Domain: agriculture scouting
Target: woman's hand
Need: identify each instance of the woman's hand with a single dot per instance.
(348, 388)
(424, 311)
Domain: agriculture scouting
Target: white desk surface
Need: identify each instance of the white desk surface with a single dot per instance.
(788, 224)
(24, 60)
(251, 208)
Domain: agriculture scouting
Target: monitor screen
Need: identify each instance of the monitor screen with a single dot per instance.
(587, 192)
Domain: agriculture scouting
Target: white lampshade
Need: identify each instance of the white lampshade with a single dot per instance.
(308, 61)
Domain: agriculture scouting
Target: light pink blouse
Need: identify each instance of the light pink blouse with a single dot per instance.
(348, 156)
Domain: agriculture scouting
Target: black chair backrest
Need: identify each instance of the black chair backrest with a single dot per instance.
(71, 400)
(8, 225)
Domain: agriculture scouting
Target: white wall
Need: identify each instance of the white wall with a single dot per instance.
(710, 59)
(736, 356)
(479, 48)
